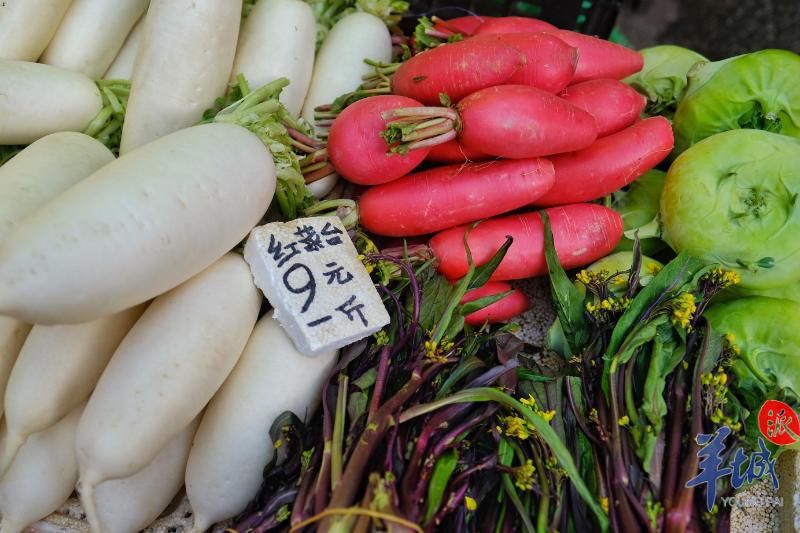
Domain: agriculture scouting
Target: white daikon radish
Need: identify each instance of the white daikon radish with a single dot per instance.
(322, 187)
(278, 39)
(42, 476)
(152, 488)
(183, 65)
(26, 26)
(138, 227)
(45, 169)
(37, 100)
(340, 63)
(122, 66)
(12, 336)
(91, 33)
(164, 373)
(232, 446)
(56, 370)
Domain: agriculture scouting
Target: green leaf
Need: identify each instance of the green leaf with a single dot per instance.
(673, 276)
(505, 456)
(529, 375)
(435, 296)
(480, 303)
(485, 271)
(440, 477)
(366, 380)
(465, 367)
(568, 300)
(357, 405)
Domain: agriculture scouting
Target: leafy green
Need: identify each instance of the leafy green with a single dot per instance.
(442, 473)
(757, 91)
(732, 199)
(261, 112)
(663, 79)
(638, 207)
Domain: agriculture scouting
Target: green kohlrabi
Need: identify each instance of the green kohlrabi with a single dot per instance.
(663, 79)
(638, 207)
(763, 334)
(732, 199)
(752, 91)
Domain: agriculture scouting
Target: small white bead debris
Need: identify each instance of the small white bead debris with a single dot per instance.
(310, 272)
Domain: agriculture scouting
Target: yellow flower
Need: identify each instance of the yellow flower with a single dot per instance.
(683, 309)
(470, 503)
(604, 504)
(278, 444)
(381, 338)
(530, 401)
(516, 427)
(730, 341)
(624, 421)
(547, 415)
(523, 475)
(652, 268)
(584, 277)
(723, 278)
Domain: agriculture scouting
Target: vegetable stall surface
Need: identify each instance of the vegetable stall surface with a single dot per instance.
(164, 373)
(26, 26)
(442, 197)
(91, 33)
(732, 199)
(271, 377)
(583, 234)
(28, 109)
(183, 64)
(142, 225)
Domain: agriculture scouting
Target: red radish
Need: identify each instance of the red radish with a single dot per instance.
(502, 310)
(582, 234)
(513, 25)
(518, 121)
(356, 148)
(456, 69)
(453, 152)
(599, 58)
(610, 163)
(512, 121)
(466, 26)
(549, 62)
(613, 104)
(444, 197)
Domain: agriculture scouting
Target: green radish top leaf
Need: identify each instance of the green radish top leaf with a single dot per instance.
(567, 298)
(442, 473)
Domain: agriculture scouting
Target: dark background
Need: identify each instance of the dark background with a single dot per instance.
(715, 28)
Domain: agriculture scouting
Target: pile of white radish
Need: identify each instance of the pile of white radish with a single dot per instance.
(130, 342)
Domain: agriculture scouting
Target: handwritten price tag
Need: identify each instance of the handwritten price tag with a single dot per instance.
(309, 271)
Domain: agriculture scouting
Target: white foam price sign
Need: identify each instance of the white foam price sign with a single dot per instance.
(309, 271)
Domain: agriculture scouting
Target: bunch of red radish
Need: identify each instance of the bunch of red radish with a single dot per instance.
(522, 115)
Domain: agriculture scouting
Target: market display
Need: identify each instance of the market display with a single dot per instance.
(269, 251)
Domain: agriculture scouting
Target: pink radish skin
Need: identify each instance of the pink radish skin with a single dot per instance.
(613, 104)
(456, 69)
(444, 197)
(582, 234)
(453, 152)
(549, 65)
(518, 121)
(599, 58)
(502, 310)
(356, 148)
(610, 163)
(512, 25)
(466, 26)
